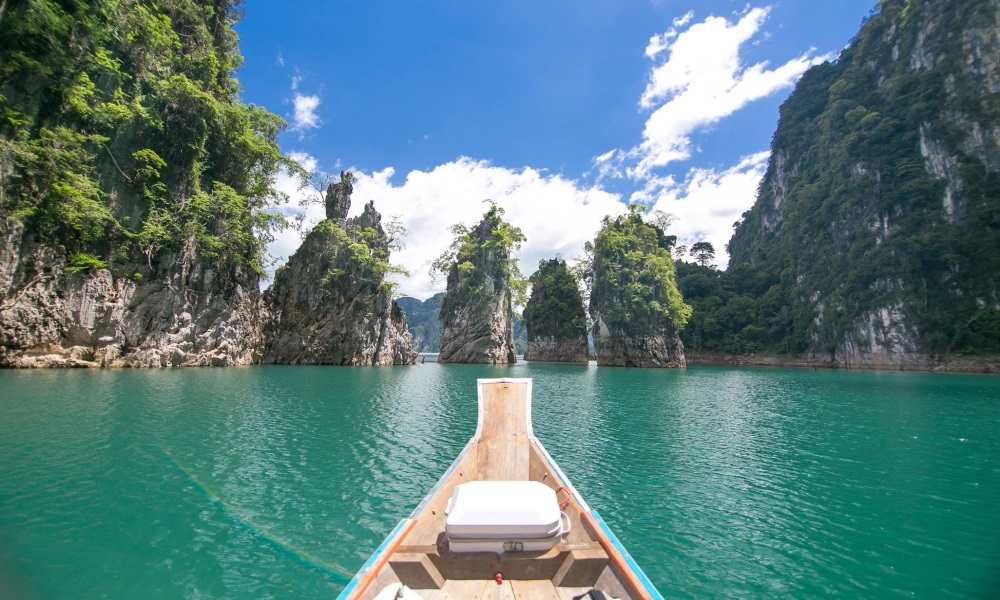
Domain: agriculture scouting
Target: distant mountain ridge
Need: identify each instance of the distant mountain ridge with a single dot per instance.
(423, 321)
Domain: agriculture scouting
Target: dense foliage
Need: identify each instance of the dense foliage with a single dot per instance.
(555, 308)
(482, 256)
(355, 257)
(633, 285)
(851, 219)
(738, 311)
(122, 137)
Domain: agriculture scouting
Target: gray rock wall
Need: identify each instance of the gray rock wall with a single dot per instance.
(662, 349)
(479, 331)
(328, 306)
(551, 349)
(186, 316)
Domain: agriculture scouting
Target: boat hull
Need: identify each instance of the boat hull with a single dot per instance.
(420, 555)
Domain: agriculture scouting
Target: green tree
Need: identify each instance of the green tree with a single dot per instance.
(122, 136)
(703, 253)
(481, 254)
(555, 307)
(634, 286)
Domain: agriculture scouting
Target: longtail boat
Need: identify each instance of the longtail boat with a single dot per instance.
(502, 522)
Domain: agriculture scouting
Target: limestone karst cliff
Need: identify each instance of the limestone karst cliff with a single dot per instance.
(476, 312)
(136, 202)
(133, 186)
(554, 315)
(873, 239)
(331, 303)
(636, 308)
(186, 314)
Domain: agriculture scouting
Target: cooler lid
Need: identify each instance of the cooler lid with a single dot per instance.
(495, 509)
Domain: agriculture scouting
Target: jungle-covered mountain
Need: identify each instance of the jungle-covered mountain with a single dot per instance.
(135, 195)
(134, 185)
(874, 237)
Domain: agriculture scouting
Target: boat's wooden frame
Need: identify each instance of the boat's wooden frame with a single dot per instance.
(503, 448)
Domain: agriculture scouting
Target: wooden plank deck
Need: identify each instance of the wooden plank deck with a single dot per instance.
(503, 442)
(516, 589)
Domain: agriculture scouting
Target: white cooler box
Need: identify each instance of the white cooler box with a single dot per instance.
(504, 516)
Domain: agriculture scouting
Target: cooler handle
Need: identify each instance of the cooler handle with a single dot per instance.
(566, 524)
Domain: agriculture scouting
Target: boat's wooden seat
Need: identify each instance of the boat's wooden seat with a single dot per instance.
(566, 564)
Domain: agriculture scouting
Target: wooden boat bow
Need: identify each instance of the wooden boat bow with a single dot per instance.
(418, 554)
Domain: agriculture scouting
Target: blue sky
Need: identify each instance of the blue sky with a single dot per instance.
(561, 112)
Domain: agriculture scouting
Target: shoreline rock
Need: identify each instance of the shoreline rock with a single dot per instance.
(971, 364)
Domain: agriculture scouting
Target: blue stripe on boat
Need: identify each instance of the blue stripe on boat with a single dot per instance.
(628, 557)
(371, 559)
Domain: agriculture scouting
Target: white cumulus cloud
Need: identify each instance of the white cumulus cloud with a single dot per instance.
(699, 77)
(709, 201)
(701, 80)
(557, 215)
(304, 116)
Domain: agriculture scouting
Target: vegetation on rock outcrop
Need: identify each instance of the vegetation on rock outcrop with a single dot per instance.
(555, 317)
(483, 281)
(633, 284)
(874, 232)
(332, 302)
(134, 185)
(122, 137)
(634, 301)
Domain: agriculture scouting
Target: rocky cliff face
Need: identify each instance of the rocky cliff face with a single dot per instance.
(476, 313)
(330, 304)
(479, 332)
(188, 315)
(136, 199)
(554, 316)
(636, 308)
(553, 349)
(624, 348)
(877, 214)
(133, 186)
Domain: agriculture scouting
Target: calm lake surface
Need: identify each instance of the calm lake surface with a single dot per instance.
(278, 482)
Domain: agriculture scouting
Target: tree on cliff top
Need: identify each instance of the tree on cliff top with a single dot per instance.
(484, 252)
(556, 306)
(634, 286)
(122, 137)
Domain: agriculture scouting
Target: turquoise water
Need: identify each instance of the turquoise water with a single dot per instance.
(278, 482)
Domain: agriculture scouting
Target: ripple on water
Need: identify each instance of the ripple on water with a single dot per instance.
(279, 482)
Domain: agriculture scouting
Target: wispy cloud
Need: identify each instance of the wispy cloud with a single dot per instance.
(709, 201)
(699, 78)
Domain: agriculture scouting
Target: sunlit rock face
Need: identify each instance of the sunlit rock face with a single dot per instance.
(876, 217)
(184, 314)
(330, 304)
(476, 314)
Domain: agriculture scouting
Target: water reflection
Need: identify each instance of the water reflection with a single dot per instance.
(278, 481)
